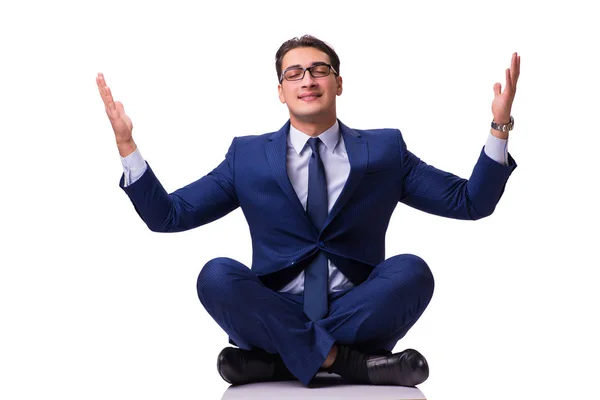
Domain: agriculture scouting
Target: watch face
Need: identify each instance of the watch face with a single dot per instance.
(505, 127)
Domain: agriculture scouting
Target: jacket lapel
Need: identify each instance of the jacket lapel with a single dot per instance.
(276, 151)
(358, 156)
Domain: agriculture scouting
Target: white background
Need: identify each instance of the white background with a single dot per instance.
(95, 306)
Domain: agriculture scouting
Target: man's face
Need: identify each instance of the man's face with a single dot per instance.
(310, 100)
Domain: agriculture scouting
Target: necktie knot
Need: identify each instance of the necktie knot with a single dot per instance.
(314, 146)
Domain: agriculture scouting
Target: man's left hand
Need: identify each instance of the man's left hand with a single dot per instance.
(503, 100)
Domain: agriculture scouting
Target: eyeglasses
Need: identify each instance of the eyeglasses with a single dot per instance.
(316, 71)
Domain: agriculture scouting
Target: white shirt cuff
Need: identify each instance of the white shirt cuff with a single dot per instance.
(497, 149)
(134, 167)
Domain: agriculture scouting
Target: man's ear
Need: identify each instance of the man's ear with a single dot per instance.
(340, 88)
(281, 96)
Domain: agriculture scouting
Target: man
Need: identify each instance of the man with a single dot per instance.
(318, 197)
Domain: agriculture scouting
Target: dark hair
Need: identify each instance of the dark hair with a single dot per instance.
(305, 41)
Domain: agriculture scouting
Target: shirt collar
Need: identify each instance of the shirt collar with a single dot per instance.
(330, 138)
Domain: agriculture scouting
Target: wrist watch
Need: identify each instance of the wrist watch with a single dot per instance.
(504, 127)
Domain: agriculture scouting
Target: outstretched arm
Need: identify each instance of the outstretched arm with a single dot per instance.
(198, 203)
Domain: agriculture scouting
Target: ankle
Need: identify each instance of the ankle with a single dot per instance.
(330, 357)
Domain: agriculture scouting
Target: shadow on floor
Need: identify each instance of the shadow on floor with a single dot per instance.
(323, 386)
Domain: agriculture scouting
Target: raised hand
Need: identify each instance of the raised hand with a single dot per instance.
(121, 123)
(503, 100)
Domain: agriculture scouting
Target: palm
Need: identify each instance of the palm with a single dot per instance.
(121, 123)
(503, 99)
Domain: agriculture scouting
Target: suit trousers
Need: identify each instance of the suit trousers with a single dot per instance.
(370, 317)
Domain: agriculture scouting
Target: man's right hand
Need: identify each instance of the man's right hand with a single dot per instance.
(121, 124)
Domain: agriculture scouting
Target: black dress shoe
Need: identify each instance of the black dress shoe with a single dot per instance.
(408, 368)
(238, 366)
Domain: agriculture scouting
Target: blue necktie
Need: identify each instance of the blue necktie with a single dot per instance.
(316, 275)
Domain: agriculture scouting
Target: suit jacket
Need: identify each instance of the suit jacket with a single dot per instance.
(253, 176)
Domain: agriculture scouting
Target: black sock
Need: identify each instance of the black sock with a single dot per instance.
(351, 365)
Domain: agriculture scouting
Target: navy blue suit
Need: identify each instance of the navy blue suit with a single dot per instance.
(389, 296)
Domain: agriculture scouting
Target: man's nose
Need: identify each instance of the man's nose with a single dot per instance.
(308, 80)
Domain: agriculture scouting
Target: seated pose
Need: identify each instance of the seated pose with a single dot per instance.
(318, 196)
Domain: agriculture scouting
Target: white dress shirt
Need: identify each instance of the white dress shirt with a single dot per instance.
(337, 168)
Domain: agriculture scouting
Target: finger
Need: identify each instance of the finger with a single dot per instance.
(514, 69)
(100, 80)
(497, 89)
(101, 83)
(104, 95)
(508, 88)
(110, 103)
(104, 92)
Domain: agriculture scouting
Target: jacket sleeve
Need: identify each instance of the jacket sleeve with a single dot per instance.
(205, 200)
(441, 193)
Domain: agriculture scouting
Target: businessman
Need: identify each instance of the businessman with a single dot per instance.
(318, 196)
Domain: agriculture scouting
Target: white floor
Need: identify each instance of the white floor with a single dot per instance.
(324, 386)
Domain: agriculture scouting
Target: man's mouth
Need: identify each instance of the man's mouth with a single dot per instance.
(309, 96)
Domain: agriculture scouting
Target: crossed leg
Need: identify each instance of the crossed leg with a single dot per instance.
(370, 317)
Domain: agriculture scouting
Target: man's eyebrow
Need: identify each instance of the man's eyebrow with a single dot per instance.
(313, 64)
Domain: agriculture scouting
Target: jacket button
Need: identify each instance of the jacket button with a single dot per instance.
(321, 244)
